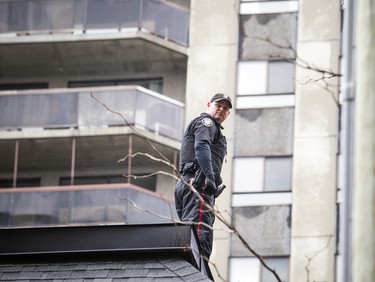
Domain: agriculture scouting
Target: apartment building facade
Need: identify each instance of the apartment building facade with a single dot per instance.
(93, 90)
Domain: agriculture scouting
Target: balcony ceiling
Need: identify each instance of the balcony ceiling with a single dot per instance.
(51, 59)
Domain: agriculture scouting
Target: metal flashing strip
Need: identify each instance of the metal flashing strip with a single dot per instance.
(95, 239)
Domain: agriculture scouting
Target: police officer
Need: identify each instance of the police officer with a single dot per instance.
(203, 150)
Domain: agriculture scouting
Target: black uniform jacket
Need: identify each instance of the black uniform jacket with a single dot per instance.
(201, 131)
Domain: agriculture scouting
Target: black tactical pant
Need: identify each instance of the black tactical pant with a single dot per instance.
(190, 209)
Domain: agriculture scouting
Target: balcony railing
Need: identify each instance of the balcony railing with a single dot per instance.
(83, 205)
(25, 17)
(78, 108)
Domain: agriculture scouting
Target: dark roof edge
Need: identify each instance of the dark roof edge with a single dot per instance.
(87, 242)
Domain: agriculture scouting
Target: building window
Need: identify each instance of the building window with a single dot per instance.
(265, 174)
(250, 269)
(265, 84)
(21, 182)
(148, 183)
(265, 77)
(23, 86)
(278, 173)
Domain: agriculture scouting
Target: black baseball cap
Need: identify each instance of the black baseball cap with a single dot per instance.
(220, 97)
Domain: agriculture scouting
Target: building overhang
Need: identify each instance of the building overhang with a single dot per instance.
(70, 54)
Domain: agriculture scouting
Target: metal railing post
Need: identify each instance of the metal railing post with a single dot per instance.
(15, 169)
(140, 19)
(130, 152)
(73, 161)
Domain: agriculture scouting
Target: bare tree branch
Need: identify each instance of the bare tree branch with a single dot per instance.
(166, 162)
(326, 73)
(231, 227)
(219, 216)
(134, 130)
(151, 174)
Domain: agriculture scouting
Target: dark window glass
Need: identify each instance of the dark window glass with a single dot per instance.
(154, 84)
(21, 182)
(148, 183)
(22, 86)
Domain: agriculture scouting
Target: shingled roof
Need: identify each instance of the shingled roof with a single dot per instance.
(142, 269)
(160, 252)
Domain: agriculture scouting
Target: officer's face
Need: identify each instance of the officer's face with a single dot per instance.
(219, 110)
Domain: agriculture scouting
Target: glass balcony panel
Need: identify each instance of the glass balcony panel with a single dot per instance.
(92, 113)
(165, 21)
(10, 109)
(97, 206)
(13, 16)
(41, 208)
(7, 160)
(45, 15)
(159, 116)
(35, 16)
(145, 208)
(83, 205)
(112, 14)
(41, 15)
(6, 208)
(56, 110)
(146, 109)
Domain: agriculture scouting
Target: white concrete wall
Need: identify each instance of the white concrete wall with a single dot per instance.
(313, 239)
(211, 69)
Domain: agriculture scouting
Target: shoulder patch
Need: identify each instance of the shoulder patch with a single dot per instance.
(207, 122)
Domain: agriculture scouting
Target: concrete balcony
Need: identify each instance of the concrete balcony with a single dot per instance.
(58, 41)
(28, 18)
(65, 137)
(97, 107)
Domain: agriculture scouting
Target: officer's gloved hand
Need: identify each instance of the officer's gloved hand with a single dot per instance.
(210, 186)
(220, 190)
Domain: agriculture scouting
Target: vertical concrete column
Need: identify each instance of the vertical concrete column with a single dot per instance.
(315, 143)
(212, 57)
(364, 146)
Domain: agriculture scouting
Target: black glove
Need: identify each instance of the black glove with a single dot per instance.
(220, 190)
(210, 186)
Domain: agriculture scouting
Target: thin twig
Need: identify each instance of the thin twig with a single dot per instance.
(231, 228)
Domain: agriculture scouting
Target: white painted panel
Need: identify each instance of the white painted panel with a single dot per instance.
(268, 7)
(268, 101)
(100, 31)
(252, 77)
(262, 199)
(244, 270)
(248, 175)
